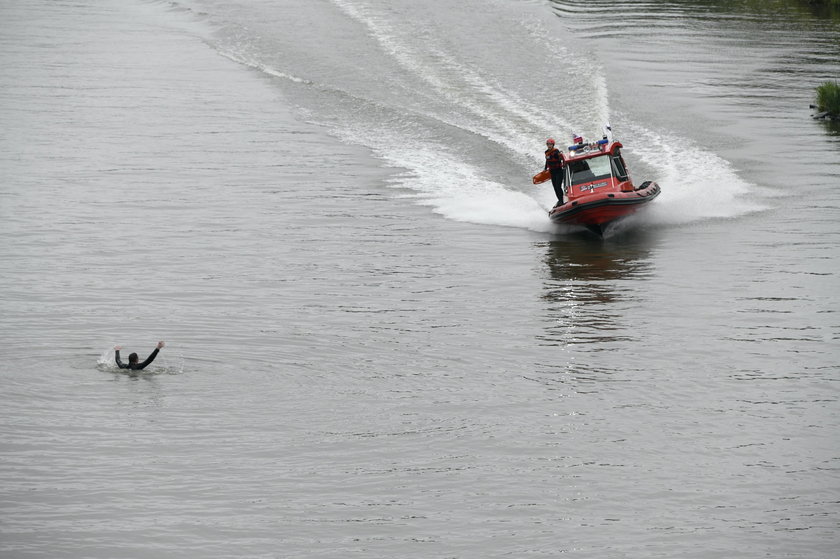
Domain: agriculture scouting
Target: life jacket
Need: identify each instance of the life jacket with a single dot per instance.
(553, 159)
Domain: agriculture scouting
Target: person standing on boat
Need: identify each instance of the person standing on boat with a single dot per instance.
(555, 163)
(132, 359)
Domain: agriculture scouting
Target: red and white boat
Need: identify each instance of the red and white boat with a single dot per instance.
(598, 189)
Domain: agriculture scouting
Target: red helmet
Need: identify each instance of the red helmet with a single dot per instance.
(550, 141)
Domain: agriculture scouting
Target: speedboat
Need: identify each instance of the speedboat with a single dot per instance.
(598, 190)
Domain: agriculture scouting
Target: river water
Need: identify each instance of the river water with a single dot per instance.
(377, 345)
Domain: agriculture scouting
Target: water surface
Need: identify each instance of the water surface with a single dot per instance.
(377, 346)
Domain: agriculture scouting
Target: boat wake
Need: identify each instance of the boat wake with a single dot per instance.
(462, 111)
(464, 117)
(697, 185)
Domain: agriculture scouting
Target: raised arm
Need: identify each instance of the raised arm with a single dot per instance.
(120, 364)
(151, 357)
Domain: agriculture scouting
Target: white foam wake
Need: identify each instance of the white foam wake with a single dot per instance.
(696, 184)
(458, 191)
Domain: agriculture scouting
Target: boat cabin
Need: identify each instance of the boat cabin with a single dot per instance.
(596, 168)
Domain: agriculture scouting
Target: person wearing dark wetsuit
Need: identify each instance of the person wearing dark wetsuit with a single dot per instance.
(132, 359)
(555, 163)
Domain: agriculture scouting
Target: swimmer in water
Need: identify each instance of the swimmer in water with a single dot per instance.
(132, 359)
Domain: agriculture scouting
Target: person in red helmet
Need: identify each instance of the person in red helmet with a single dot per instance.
(555, 163)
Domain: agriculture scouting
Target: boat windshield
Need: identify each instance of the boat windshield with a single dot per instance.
(588, 170)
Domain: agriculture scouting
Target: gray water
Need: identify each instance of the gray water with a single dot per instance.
(377, 346)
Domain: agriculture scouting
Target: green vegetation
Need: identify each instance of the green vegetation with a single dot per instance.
(828, 98)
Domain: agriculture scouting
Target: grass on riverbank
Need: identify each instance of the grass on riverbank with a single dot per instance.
(828, 98)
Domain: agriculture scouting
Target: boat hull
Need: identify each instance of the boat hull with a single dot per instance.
(598, 210)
